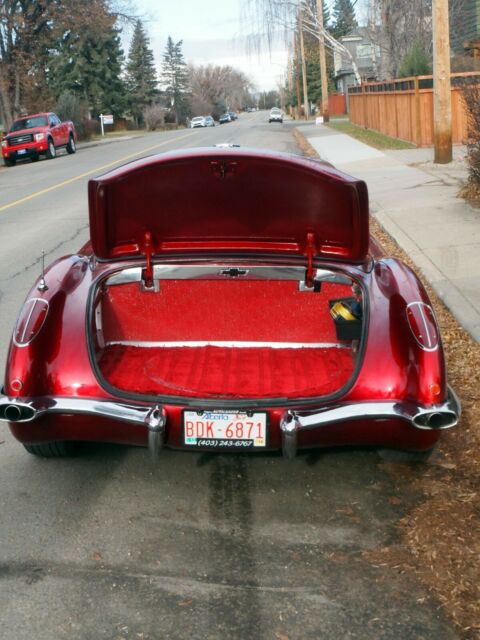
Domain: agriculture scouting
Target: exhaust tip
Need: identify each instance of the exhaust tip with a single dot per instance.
(435, 420)
(16, 413)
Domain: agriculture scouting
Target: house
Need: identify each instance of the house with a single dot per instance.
(365, 54)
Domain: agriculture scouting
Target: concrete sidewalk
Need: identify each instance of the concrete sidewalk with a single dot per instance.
(415, 201)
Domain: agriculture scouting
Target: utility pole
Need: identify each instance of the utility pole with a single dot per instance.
(442, 97)
(290, 78)
(297, 76)
(323, 63)
(304, 68)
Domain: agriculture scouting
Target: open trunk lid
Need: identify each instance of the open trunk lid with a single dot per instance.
(228, 200)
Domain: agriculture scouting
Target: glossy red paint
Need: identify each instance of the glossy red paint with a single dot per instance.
(211, 198)
(393, 366)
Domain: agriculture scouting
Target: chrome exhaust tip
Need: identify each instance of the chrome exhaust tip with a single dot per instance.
(435, 420)
(16, 413)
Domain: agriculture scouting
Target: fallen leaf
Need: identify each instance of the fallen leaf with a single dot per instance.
(97, 556)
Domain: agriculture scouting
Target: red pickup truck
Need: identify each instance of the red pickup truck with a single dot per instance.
(40, 134)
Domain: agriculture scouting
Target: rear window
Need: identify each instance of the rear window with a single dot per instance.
(29, 123)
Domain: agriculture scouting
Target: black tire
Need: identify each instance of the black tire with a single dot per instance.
(398, 455)
(71, 146)
(51, 151)
(59, 449)
(9, 162)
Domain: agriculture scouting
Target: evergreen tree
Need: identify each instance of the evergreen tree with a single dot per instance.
(175, 80)
(344, 20)
(90, 65)
(416, 63)
(141, 78)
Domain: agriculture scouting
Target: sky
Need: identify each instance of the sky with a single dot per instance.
(213, 33)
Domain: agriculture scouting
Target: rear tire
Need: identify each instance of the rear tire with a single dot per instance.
(51, 151)
(71, 146)
(397, 455)
(9, 162)
(59, 449)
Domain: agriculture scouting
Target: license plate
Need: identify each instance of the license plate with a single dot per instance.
(225, 430)
(20, 151)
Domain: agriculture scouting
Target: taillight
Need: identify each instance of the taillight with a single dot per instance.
(30, 321)
(423, 325)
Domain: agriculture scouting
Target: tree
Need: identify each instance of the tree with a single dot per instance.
(89, 64)
(175, 80)
(416, 62)
(29, 31)
(344, 20)
(402, 24)
(141, 77)
(215, 89)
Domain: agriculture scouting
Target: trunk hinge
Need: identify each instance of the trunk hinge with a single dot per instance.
(148, 282)
(310, 252)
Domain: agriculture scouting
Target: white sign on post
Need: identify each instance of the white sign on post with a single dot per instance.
(105, 120)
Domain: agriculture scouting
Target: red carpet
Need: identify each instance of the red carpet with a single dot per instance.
(229, 372)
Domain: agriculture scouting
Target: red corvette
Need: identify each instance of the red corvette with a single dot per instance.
(229, 299)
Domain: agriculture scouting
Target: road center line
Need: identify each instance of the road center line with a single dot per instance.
(89, 173)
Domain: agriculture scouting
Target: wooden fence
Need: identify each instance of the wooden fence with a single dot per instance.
(403, 108)
(337, 104)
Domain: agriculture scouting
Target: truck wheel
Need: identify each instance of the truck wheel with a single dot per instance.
(51, 151)
(71, 146)
(9, 162)
(60, 449)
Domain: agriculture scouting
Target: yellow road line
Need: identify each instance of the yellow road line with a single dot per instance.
(89, 173)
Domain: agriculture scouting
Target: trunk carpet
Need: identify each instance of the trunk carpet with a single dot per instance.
(230, 372)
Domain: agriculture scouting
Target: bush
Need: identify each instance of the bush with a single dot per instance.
(471, 97)
(154, 117)
(90, 128)
(71, 107)
(415, 63)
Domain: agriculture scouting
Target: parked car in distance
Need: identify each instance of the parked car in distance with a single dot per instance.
(276, 115)
(36, 135)
(212, 319)
(233, 115)
(225, 117)
(198, 121)
(209, 121)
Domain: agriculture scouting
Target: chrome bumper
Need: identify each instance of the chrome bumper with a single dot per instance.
(432, 418)
(153, 418)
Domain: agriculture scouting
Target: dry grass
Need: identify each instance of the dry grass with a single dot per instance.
(471, 193)
(440, 537)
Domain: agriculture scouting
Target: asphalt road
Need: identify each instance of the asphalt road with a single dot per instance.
(108, 545)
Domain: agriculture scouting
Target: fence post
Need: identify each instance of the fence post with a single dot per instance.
(418, 119)
(364, 105)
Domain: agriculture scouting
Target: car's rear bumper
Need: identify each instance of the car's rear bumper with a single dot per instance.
(293, 429)
(438, 417)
